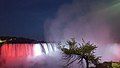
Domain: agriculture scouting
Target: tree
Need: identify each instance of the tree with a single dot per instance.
(78, 52)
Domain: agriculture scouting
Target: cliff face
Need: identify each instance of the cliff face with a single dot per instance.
(9, 39)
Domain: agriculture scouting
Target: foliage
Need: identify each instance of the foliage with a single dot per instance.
(78, 52)
(116, 65)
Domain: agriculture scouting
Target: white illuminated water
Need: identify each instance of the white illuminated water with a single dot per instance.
(37, 50)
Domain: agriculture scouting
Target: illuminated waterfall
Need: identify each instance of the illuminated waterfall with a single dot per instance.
(23, 52)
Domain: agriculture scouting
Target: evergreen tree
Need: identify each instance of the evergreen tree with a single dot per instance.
(77, 52)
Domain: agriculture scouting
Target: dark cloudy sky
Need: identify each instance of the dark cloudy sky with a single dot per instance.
(26, 17)
(39, 19)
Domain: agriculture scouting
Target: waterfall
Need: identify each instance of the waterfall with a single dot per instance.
(17, 55)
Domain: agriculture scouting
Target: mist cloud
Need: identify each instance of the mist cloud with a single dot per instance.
(92, 20)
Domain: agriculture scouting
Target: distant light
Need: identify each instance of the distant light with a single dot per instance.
(2, 41)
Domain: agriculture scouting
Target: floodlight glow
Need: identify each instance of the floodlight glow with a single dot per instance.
(115, 50)
(37, 50)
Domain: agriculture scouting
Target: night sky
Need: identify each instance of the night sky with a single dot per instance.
(25, 18)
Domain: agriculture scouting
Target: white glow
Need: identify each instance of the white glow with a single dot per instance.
(37, 50)
(115, 50)
(109, 52)
(55, 47)
(46, 48)
(50, 47)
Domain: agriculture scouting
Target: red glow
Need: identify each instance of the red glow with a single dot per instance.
(14, 53)
(16, 50)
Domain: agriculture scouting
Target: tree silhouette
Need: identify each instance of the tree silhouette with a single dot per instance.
(77, 52)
